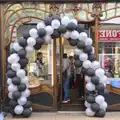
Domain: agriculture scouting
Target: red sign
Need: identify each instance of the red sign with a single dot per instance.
(109, 35)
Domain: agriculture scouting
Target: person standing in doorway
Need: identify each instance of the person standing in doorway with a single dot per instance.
(66, 78)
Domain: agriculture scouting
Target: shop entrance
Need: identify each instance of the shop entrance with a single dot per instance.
(76, 81)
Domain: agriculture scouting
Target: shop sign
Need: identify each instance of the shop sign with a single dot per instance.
(109, 35)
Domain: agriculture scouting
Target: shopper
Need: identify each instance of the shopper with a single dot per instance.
(66, 78)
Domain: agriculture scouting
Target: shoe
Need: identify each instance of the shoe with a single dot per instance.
(65, 101)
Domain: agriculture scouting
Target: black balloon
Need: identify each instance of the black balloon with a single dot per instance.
(13, 103)
(95, 80)
(81, 44)
(41, 32)
(9, 66)
(37, 46)
(56, 17)
(13, 51)
(26, 35)
(16, 81)
(78, 63)
(16, 95)
(23, 62)
(22, 53)
(11, 73)
(28, 104)
(100, 87)
(55, 34)
(76, 57)
(22, 42)
(95, 107)
(91, 57)
(39, 41)
(71, 26)
(100, 113)
(48, 21)
(80, 28)
(90, 72)
(73, 42)
(21, 87)
(90, 99)
(88, 49)
(62, 29)
(27, 112)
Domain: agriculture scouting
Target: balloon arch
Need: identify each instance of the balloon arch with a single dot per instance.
(52, 28)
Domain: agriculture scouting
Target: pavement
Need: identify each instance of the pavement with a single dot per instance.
(66, 116)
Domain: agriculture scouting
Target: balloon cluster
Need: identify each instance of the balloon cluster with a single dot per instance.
(45, 32)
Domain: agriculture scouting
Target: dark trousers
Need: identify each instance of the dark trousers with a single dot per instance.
(80, 80)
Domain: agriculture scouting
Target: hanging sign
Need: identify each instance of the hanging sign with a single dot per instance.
(109, 35)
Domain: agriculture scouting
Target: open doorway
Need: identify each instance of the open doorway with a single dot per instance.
(76, 82)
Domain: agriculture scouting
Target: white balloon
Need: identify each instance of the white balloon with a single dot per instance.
(26, 93)
(88, 41)
(10, 95)
(13, 58)
(21, 73)
(99, 72)
(90, 86)
(74, 21)
(12, 88)
(103, 105)
(87, 78)
(47, 39)
(89, 112)
(103, 79)
(74, 34)
(95, 65)
(31, 41)
(40, 25)
(16, 46)
(9, 81)
(82, 36)
(78, 51)
(83, 57)
(93, 50)
(66, 35)
(49, 30)
(65, 20)
(22, 100)
(88, 105)
(33, 33)
(18, 109)
(87, 64)
(29, 49)
(99, 99)
(55, 24)
(25, 80)
(15, 66)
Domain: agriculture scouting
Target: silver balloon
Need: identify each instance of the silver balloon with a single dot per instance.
(22, 100)
(15, 66)
(89, 112)
(31, 41)
(88, 41)
(18, 109)
(40, 25)
(99, 72)
(26, 93)
(33, 33)
(16, 46)
(77, 51)
(83, 57)
(12, 88)
(21, 73)
(99, 99)
(95, 65)
(29, 49)
(82, 36)
(90, 86)
(74, 34)
(65, 20)
(10, 95)
(103, 105)
(55, 24)
(103, 79)
(47, 39)
(49, 30)
(9, 81)
(66, 35)
(13, 58)
(88, 105)
(87, 64)
(74, 21)
(25, 80)
(87, 79)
